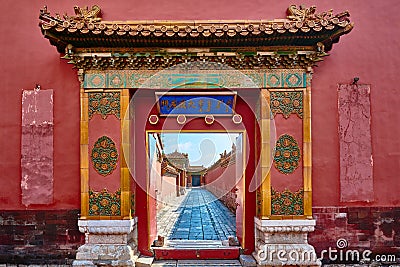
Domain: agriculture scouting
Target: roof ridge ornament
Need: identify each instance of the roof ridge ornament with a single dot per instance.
(297, 41)
(84, 14)
(302, 14)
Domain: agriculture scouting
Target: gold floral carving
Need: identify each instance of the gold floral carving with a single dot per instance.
(287, 154)
(104, 156)
(287, 202)
(287, 103)
(104, 203)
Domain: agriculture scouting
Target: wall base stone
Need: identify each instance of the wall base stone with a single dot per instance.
(284, 243)
(107, 242)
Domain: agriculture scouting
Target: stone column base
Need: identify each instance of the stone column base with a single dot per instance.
(107, 242)
(284, 242)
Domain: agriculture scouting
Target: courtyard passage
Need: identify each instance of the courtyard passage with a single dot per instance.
(198, 215)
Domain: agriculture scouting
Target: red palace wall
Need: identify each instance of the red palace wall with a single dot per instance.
(166, 190)
(218, 181)
(369, 52)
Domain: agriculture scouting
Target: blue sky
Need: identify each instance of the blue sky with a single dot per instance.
(203, 148)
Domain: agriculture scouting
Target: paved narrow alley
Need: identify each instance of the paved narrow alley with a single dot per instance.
(198, 215)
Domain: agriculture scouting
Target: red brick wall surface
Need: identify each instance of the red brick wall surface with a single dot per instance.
(364, 228)
(39, 237)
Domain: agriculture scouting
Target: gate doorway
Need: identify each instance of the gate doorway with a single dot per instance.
(195, 180)
(147, 155)
(196, 176)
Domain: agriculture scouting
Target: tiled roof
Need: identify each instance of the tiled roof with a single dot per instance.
(301, 28)
(176, 155)
(196, 169)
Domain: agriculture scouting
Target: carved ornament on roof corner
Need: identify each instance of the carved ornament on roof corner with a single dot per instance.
(82, 14)
(302, 14)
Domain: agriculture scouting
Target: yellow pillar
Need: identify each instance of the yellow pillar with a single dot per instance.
(124, 155)
(265, 154)
(84, 154)
(125, 148)
(307, 150)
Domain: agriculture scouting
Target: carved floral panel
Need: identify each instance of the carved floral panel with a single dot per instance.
(104, 203)
(104, 104)
(287, 202)
(104, 156)
(287, 103)
(287, 154)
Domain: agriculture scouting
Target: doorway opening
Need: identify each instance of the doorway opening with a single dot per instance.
(196, 177)
(195, 180)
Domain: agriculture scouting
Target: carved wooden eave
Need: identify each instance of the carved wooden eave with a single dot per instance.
(298, 41)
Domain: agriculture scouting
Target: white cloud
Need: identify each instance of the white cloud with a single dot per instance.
(184, 147)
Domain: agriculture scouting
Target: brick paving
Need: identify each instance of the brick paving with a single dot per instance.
(198, 215)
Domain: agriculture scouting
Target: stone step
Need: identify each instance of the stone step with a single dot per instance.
(165, 263)
(144, 261)
(197, 244)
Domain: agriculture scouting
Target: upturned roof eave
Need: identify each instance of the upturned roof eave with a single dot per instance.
(286, 33)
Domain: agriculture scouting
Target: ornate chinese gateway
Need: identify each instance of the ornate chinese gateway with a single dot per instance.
(175, 61)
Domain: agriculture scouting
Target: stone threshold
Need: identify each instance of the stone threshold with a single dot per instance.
(197, 244)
